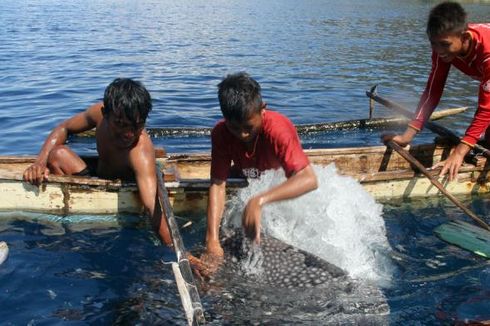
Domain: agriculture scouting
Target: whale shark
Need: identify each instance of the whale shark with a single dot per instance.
(275, 282)
(276, 263)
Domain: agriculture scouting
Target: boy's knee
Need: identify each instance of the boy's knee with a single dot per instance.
(58, 154)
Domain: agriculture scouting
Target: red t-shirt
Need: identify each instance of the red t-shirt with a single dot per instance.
(277, 145)
(475, 64)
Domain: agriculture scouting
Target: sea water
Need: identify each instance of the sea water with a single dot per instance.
(314, 60)
(112, 270)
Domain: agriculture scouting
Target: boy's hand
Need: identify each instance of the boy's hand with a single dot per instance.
(208, 263)
(251, 219)
(453, 163)
(403, 139)
(399, 139)
(36, 173)
(213, 248)
(450, 166)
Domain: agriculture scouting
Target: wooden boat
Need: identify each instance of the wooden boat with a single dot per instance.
(382, 172)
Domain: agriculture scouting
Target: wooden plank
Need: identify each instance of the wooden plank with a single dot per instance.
(349, 161)
(382, 172)
(466, 236)
(191, 195)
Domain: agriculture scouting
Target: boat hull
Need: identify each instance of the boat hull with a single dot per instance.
(383, 173)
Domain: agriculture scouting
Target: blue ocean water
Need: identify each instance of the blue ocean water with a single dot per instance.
(314, 59)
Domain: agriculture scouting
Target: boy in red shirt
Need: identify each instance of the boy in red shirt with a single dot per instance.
(250, 140)
(467, 47)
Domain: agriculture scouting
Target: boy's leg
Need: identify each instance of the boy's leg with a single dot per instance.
(63, 161)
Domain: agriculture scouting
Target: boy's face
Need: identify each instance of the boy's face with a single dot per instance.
(450, 45)
(125, 133)
(247, 130)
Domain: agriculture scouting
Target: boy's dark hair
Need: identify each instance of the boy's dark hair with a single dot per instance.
(239, 97)
(446, 17)
(128, 96)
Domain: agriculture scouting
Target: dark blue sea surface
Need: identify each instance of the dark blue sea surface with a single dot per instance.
(314, 60)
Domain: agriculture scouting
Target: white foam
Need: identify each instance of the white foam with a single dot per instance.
(252, 264)
(339, 222)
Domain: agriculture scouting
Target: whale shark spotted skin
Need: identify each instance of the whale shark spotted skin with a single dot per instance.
(278, 283)
(280, 264)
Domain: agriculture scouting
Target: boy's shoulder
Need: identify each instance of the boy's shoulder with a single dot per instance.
(479, 26)
(480, 31)
(219, 127)
(277, 122)
(94, 112)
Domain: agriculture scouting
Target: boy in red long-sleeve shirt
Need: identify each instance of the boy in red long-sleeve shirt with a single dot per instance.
(466, 47)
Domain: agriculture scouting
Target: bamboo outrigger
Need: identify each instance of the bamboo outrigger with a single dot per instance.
(382, 172)
(302, 129)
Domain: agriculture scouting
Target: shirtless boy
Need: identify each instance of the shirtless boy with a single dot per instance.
(249, 140)
(125, 149)
(466, 47)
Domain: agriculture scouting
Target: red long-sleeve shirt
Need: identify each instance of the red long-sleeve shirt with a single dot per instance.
(475, 64)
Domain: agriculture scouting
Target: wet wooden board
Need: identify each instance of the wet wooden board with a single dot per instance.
(467, 236)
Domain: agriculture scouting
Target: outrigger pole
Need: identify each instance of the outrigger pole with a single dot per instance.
(182, 269)
(302, 129)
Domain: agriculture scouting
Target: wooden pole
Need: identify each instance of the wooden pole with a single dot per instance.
(434, 127)
(191, 302)
(406, 155)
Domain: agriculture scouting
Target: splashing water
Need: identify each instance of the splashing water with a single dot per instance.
(339, 222)
(252, 264)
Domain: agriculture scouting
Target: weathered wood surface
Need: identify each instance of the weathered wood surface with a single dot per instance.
(381, 171)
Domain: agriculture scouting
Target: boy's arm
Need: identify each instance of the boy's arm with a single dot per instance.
(220, 168)
(478, 126)
(216, 205)
(144, 167)
(428, 102)
(209, 261)
(298, 184)
(83, 121)
(432, 93)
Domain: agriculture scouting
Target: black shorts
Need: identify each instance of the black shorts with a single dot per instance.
(90, 170)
